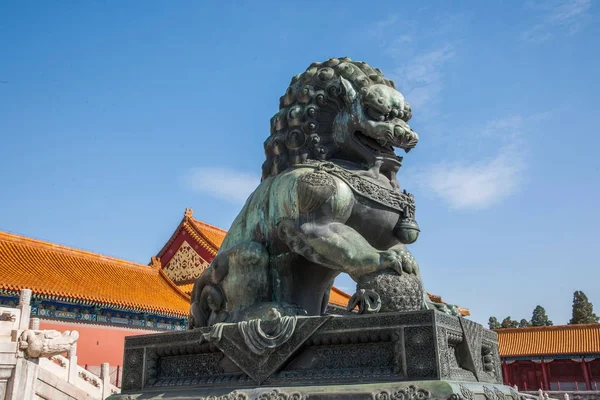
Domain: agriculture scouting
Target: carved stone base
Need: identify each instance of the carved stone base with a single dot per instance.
(353, 356)
(419, 390)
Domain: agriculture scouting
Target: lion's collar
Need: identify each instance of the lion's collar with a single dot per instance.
(403, 202)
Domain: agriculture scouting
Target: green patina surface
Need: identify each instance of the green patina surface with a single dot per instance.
(344, 212)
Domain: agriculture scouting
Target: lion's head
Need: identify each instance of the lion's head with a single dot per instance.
(340, 109)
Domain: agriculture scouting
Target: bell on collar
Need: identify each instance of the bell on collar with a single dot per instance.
(407, 230)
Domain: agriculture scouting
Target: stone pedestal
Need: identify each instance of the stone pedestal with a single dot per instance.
(411, 355)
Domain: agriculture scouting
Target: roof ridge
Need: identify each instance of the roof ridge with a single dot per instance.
(549, 328)
(191, 226)
(59, 248)
(208, 225)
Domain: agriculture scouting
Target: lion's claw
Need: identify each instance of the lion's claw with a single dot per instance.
(400, 261)
(367, 301)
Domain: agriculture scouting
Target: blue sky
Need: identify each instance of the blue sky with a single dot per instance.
(115, 116)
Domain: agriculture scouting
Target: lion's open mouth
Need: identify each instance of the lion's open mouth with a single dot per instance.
(374, 146)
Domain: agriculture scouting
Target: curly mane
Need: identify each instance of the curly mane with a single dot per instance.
(302, 129)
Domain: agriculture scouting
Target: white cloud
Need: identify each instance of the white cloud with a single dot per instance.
(223, 183)
(558, 17)
(476, 185)
(486, 181)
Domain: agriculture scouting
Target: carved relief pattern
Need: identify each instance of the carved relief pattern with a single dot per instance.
(186, 264)
(317, 179)
(418, 348)
(367, 351)
(401, 201)
(488, 359)
(499, 394)
(132, 371)
(408, 393)
(489, 395)
(235, 395)
(496, 360)
(383, 321)
(444, 352)
(277, 395)
(198, 364)
(151, 366)
(473, 334)
(449, 321)
(466, 393)
(367, 355)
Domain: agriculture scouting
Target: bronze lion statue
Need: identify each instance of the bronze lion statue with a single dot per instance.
(329, 202)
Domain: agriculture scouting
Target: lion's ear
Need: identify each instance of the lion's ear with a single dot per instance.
(349, 94)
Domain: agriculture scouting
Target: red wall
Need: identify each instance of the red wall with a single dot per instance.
(97, 343)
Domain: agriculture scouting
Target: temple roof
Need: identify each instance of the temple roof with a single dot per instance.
(211, 233)
(549, 340)
(63, 273)
(208, 236)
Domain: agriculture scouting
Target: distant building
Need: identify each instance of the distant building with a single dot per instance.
(564, 358)
(107, 299)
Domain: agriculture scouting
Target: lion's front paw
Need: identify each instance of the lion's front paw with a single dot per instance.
(399, 260)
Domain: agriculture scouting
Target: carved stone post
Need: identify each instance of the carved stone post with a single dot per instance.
(25, 308)
(72, 355)
(24, 380)
(34, 324)
(105, 376)
(5, 374)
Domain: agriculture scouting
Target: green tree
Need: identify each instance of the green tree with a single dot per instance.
(524, 323)
(493, 323)
(509, 323)
(583, 310)
(539, 317)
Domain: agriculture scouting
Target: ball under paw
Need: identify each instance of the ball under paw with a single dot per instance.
(398, 292)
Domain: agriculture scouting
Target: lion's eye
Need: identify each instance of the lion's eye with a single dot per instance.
(375, 115)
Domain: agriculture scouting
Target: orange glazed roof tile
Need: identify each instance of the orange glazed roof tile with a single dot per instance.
(338, 297)
(211, 233)
(549, 340)
(186, 288)
(62, 272)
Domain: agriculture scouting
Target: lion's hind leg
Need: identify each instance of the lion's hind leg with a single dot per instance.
(236, 279)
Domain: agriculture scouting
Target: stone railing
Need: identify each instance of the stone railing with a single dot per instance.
(565, 395)
(30, 364)
(94, 385)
